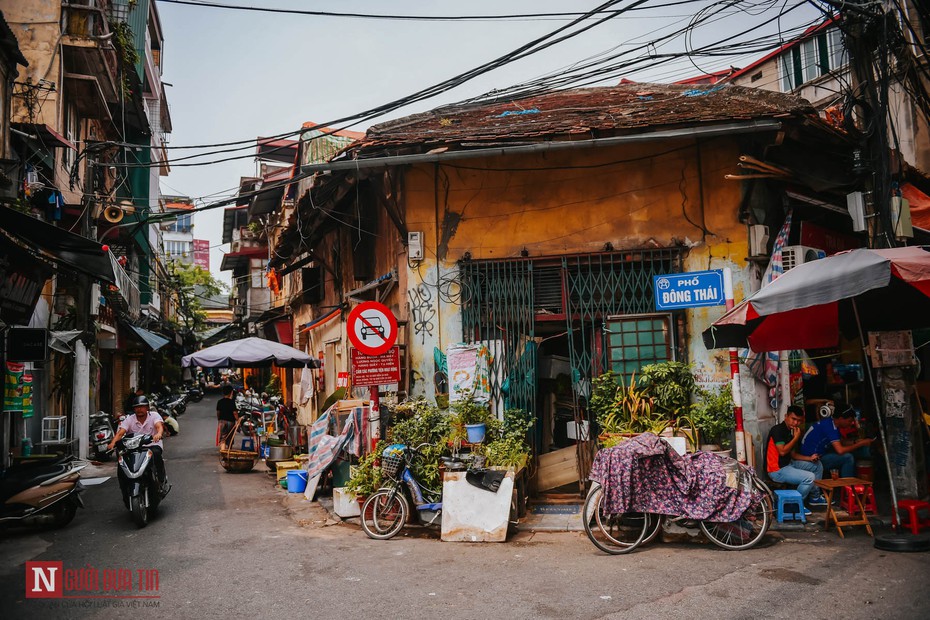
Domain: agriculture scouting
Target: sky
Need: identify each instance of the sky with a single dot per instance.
(236, 75)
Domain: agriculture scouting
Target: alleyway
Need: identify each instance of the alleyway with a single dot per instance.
(225, 547)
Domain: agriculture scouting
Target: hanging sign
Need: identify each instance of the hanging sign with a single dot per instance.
(675, 291)
(372, 329)
(342, 380)
(17, 389)
(375, 369)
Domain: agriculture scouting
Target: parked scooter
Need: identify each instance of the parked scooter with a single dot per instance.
(138, 480)
(194, 392)
(101, 433)
(41, 493)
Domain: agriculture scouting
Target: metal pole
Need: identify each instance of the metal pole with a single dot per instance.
(374, 418)
(878, 414)
(734, 374)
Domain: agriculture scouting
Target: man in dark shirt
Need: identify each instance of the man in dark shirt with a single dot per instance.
(783, 440)
(226, 416)
(824, 440)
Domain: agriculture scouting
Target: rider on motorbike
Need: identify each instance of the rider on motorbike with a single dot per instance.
(148, 423)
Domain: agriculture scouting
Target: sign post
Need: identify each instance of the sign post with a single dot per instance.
(698, 289)
(372, 328)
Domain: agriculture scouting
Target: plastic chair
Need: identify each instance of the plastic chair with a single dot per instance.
(914, 521)
(849, 504)
(248, 444)
(785, 498)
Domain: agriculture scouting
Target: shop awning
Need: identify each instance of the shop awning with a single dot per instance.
(44, 134)
(152, 339)
(22, 277)
(326, 318)
(76, 252)
(240, 258)
(284, 330)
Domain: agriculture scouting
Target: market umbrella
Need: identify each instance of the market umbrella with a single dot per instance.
(812, 303)
(250, 353)
(808, 306)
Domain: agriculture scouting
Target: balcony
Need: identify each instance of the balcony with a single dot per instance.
(126, 293)
(89, 57)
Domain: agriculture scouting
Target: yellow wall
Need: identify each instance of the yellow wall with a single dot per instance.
(647, 195)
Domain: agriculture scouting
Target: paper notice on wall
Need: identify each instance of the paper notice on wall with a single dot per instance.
(469, 372)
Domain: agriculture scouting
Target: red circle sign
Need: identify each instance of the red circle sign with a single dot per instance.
(372, 328)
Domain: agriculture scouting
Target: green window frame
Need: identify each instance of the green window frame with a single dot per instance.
(634, 341)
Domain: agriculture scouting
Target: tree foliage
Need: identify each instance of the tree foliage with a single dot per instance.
(190, 285)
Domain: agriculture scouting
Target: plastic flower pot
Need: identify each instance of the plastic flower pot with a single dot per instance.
(475, 432)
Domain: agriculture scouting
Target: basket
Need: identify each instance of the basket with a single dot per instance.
(392, 464)
(237, 461)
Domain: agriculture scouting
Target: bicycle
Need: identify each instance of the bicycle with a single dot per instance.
(386, 511)
(621, 533)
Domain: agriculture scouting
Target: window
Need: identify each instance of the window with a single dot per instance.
(811, 59)
(633, 341)
(181, 224)
(257, 272)
(178, 249)
(70, 130)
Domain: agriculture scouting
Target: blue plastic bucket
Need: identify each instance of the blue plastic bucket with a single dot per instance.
(296, 481)
(475, 432)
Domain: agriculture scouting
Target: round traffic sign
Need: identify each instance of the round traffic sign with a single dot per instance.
(372, 328)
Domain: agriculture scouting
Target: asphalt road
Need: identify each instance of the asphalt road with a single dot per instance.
(226, 546)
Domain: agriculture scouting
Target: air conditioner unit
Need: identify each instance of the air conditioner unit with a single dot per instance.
(794, 255)
(758, 240)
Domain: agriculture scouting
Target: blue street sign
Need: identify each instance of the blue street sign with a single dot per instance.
(675, 291)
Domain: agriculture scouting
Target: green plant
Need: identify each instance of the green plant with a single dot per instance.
(631, 410)
(367, 475)
(273, 387)
(510, 447)
(712, 414)
(426, 427)
(124, 41)
(670, 385)
(467, 410)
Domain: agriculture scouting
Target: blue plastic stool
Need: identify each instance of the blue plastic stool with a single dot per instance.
(787, 498)
(248, 441)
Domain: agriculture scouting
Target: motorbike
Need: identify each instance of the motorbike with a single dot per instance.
(194, 392)
(138, 481)
(101, 433)
(41, 493)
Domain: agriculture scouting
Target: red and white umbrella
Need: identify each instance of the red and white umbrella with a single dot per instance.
(808, 306)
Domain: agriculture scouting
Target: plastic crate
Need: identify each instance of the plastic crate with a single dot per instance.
(54, 429)
(285, 466)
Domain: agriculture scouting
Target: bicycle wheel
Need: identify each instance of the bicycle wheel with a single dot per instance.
(613, 534)
(746, 531)
(655, 526)
(384, 514)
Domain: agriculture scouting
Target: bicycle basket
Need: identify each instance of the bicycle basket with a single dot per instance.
(393, 464)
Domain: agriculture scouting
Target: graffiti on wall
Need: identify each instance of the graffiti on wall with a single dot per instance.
(422, 312)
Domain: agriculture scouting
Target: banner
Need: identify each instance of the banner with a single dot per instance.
(17, 392)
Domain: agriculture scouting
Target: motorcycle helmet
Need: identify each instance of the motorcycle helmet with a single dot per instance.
(140, 401)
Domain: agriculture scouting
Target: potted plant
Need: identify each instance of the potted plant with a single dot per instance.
(622, 411)
(510, 450)
(366, 477)
(670, 385)
(471, 415)
(712, 416)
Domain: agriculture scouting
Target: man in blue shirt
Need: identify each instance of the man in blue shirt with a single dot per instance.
(823, 441)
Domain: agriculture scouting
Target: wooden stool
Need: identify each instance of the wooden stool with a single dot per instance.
(910, 507)
(848, 503)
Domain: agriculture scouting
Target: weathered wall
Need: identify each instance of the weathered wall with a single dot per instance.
(656, 194)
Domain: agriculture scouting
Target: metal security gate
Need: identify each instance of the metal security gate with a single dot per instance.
(504, 302)
(497, 310)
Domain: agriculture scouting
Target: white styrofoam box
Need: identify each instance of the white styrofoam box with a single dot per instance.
(572, 427)
(470, 514)
(679, 444)
(345, 503)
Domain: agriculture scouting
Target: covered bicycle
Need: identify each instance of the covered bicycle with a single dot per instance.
(641, 482)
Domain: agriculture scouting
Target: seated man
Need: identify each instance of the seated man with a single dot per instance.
(823, 440)
(782, 442)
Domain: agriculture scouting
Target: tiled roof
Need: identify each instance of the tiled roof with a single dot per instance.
(588, 112)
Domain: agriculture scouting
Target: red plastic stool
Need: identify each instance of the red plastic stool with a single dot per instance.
(914, 522)
(849, 504)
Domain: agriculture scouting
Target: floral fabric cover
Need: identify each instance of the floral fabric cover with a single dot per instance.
(644, 474)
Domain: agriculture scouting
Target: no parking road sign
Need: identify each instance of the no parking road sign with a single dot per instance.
(372, 328)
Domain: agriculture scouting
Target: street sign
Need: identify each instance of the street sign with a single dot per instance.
(675, 291)
(375, 369)
(372, 328)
